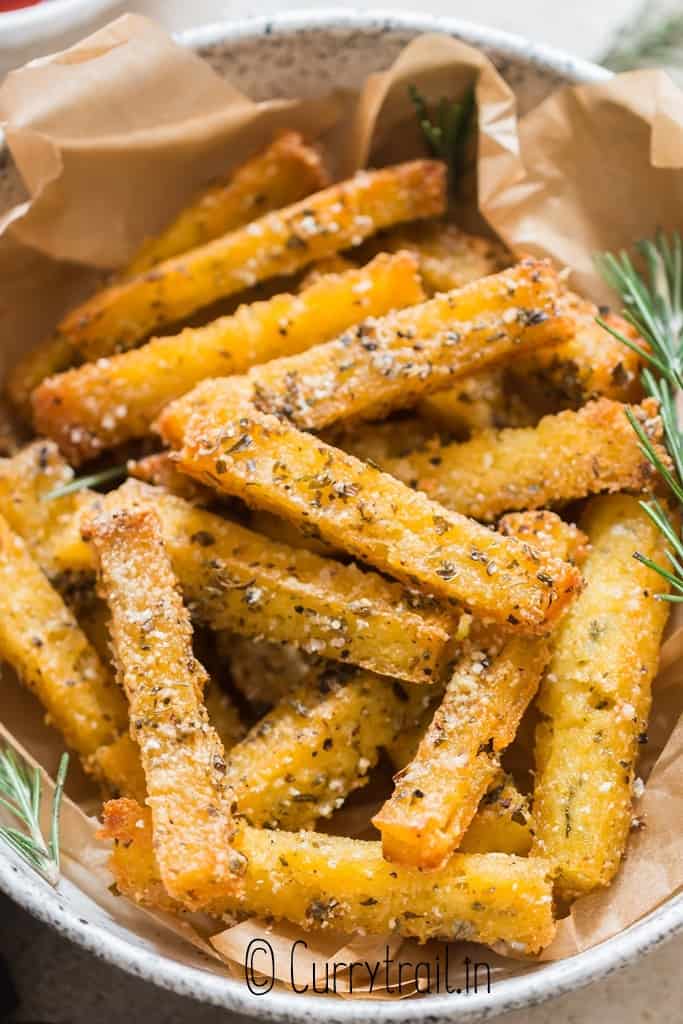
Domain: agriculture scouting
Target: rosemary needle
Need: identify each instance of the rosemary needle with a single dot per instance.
(653, 304)
(20, 795)
(448, 131)
(80, 483)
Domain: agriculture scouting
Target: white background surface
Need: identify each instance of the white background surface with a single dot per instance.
(58, 983)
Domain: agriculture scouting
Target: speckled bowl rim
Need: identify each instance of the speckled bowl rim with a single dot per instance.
(528, 989)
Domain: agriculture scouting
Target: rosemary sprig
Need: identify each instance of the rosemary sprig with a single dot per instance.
(653, 38)
(80, 483)
(448, 130)
(20, 794)
(653, 304)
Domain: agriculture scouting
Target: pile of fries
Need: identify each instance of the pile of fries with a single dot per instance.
(381, 508)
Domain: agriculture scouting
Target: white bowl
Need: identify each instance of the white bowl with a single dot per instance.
(48, 20)
(305, 54)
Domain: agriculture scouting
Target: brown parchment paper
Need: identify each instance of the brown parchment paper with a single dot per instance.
(110, 138)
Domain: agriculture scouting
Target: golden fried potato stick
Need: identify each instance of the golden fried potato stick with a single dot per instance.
(375, 517)
(317, 882)
(591, 364)
(569, 455)
(286, 171)
(102, 404)
(301, 761)
(502, 822)
(42, 641)
(449, 257)
(436, 796)
(393, 361)
(281, 242)
(182, 756)
(595, 699)
(235, 579)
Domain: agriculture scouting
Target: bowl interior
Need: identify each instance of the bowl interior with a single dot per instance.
(307, 55)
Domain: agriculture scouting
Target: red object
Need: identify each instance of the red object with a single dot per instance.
(14, 5)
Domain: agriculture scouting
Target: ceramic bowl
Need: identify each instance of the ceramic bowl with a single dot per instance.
(28, 26)
(305, 54)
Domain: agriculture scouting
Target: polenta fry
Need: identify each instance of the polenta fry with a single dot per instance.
(319, 881)
(118, 767)
(160, 471)
(436, 796)
(483, 401)
(546, 532)
(25, 480)
(118, 764)
(42, 641)
(235, 579)
(182, 755)
(104, 403)
(286, 171)
(391, 362)
(48, 525)
(54, 355)
(377, 518)
(332, 265)
(282, 531)
(403, 747)
(502, 822)
(378, 442)
(92, 616)
(223, 715)
(262, 671)
(300, 761)
(569, 455)
(448, 257)
(592, 364)
(281, 242)
(595, 699)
